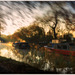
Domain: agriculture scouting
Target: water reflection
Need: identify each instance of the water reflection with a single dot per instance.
(27, 56)
(32, 57)
(9, 54)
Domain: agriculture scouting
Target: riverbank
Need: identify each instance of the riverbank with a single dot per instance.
(9, 66)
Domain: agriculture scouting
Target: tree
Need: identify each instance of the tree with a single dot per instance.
(68, 37)
(67, 14)
(15, 36)
(48, 37)
(51, 21)
(32, 33)
(37, 33)
(53, 17)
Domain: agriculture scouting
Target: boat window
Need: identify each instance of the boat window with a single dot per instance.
(64, 47)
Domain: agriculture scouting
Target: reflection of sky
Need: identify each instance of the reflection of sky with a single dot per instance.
(19, 14)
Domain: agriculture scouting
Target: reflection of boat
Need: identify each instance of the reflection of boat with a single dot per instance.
(21, 45)
(62, 48)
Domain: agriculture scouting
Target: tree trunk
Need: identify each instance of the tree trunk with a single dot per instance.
(55, 36)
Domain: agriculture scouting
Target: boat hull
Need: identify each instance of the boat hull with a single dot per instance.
(63, 52)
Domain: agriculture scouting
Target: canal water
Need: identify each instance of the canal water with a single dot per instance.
(21, 55)
(32, 57)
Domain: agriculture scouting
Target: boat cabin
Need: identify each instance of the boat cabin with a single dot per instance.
(62, 46)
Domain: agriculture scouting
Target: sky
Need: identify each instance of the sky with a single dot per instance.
(17, 14)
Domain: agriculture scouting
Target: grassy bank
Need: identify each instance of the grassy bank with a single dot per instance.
(14, 67)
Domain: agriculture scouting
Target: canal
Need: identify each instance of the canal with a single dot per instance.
(32, 57)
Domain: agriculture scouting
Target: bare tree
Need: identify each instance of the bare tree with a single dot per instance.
(51, 21)
(58, 12)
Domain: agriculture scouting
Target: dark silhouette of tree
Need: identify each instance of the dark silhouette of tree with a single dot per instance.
(68, 37)
(34, 34)
(48, 37)
(51, 21)
(37, 33)
(58, 12)
(14, 36)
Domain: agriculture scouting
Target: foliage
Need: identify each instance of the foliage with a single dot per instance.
(33, 33)
(68, 37)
